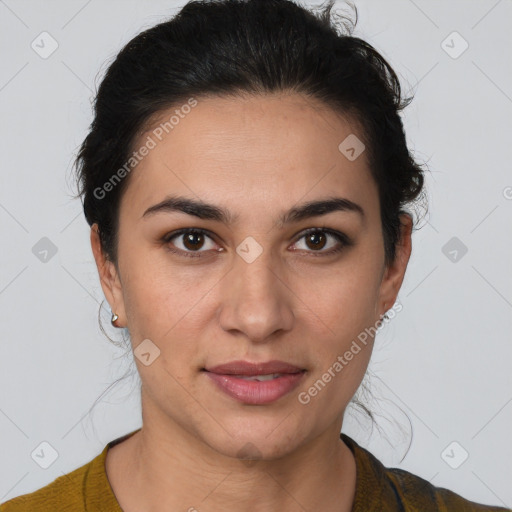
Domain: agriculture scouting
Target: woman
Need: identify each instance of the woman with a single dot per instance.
(246, 179)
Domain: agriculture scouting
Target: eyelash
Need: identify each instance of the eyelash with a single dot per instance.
(343, 239)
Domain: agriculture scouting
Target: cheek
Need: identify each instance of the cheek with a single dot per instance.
(341, 315)
(173, 315)
(342, 300)
(328, 391)
(163, 298)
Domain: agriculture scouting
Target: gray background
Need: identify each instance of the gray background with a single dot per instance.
(444, 361)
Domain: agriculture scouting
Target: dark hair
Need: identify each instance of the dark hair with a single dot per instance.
(230, 47)
(238, 47)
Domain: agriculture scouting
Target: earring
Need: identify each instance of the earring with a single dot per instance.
(114, 319)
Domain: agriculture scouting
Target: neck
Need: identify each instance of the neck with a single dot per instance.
(164, 467)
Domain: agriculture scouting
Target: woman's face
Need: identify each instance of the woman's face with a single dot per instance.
(253, 286)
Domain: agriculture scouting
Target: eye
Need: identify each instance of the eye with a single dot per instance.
(188, 241)
(318, 239)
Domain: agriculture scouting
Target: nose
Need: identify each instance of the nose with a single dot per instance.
(256, 300)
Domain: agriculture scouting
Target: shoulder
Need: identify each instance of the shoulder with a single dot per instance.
(86, 489)
(415, 492)
(66, 493)
(391, 489)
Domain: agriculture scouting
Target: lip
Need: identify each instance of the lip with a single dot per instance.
(249, 369)
(227, 378)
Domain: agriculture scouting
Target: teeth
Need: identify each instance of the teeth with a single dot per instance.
(260, 377)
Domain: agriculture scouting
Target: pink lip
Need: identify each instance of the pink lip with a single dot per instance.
(247, 368)
(227, 378)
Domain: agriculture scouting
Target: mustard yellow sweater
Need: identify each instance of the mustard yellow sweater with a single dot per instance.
(378, 489)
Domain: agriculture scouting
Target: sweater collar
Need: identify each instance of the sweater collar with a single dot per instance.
(98, 493)
(374, 491)
(371, 492)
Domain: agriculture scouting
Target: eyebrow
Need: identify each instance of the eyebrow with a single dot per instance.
(207, 211)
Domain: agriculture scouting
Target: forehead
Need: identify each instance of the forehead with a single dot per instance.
(249, 151)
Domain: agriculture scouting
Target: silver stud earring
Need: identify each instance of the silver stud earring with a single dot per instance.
(114, 319)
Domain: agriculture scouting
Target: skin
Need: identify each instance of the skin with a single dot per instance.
(257, 156)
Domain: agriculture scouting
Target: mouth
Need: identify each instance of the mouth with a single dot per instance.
(248, 369)
(262, 378)
(255, 383)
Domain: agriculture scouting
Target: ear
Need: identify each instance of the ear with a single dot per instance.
(394, 273)
(109, 278)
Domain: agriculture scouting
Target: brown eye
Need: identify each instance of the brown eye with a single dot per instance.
(189, 241)
(315, 240)
(193, 241)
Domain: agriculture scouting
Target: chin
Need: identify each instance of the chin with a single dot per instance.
(256, 438)
(251, 448)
